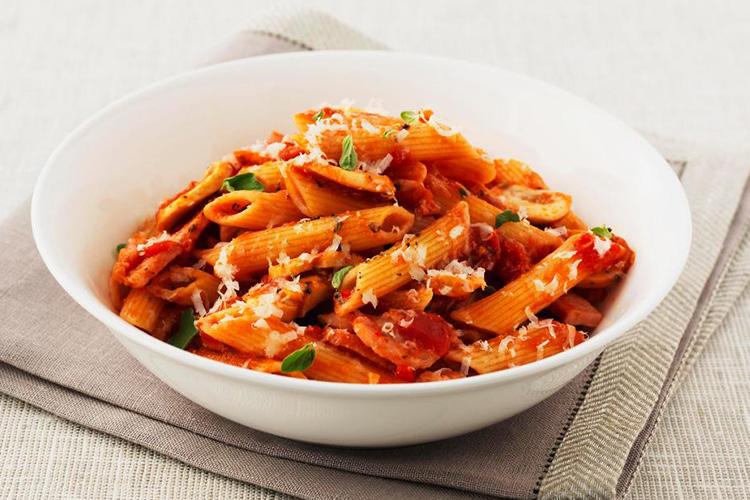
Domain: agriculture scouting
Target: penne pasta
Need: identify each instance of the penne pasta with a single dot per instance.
(250, 253)
(551, 278)
(392, 269)
(252, 209)
(183, 202)
(367, 249)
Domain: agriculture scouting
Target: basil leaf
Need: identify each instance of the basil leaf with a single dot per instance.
(338, 276)
(242, 182)
(602, 232)
(409, 117)
(185, 331)
(463, 192)
(506, 216)
(317, 116)
(388, 132)
(300, 360)
(349, 160)
(119, 248)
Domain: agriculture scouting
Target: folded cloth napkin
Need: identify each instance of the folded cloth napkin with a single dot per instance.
(586, 440)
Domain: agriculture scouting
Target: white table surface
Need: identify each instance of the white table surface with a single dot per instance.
(679, 69)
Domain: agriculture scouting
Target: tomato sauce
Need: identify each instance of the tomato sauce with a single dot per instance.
(430, 332)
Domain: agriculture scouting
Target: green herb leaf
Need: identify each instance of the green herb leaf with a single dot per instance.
(506, 216)
(300, 360)
(409, 117)
(463, 192)
(185, 331)
(349, 158)
(317, 116)
(602, 232)
(338, 276)
(388, 132)
(119, 248)
(242, 182)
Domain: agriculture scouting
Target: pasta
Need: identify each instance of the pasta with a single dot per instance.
(370, 249)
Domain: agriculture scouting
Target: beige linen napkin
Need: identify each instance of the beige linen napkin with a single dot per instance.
(585, 440)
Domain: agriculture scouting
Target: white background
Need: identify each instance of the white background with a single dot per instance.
(677, 69)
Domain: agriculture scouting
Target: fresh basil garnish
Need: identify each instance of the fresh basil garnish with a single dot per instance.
(602, 232)
(338, 276)
(506, 216)
(409, 117)
(349, 158)
(300, 360)
(185, 331)
(317, 116)
(242, 182)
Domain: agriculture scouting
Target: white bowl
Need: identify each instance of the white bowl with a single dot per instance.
(114, 169)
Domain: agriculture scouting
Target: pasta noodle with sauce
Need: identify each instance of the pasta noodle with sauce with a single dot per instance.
(368, 248)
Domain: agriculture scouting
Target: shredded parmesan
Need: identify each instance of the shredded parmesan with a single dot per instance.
(602, 245)
(484, 345)
(225, 272)
(198, 305)
(445, 290)
(571, 335)
(456, 231)
(335, 243)
(530, 314)
(401, 135)
(387, 328)
(275, 341)
(573, 270)
(264, 306)
(485, 230)
(368, 297)
(441, 128)
(560, 231)
(369, 127)
(540, 349)
(141, 247)
(378, 166)
(504, 345)
(283, 258)
(465, 365)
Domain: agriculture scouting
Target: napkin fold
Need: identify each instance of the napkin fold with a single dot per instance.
(586, 440)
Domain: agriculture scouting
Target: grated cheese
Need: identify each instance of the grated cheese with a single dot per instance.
(401, 135)
(442, 128)
(198, 305)
(465, 365)
(540, 350)
(530, 314)
(276, 341)
(485, 230)
(445, 290)
(387, 328)
(560, 231)
(504, 345)
(368, 297)
(378, 166)
(368, 127)
(141, 247)
(602, 245)
(573, 270)
(456, 232)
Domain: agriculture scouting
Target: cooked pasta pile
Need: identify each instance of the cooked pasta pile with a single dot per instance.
(368, 249)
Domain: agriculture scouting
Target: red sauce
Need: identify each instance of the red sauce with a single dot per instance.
(513, 260)
(406, 373)
(345, 294)
(291, 151)
(590, 258)
(430, 332)
(157, 248)
(211, 343)
(314, 332)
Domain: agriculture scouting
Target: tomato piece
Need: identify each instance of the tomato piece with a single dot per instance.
(406, 373)
(429, 331)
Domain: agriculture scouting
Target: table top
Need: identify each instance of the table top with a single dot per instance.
(677, 69)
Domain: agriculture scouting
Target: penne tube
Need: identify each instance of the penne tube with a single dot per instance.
(539, 205)
(250, 253)
(147, 312)
(578, 257)
(252, 209)
(416, 299)
(353, 179)
(510, 172)
(186, 286)
(228, 233)
(309, 261)
(315, 198)
(141, 262)
(532, 343)
(173, 209)
(422, 140)
(335, 365)
(390, 270)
